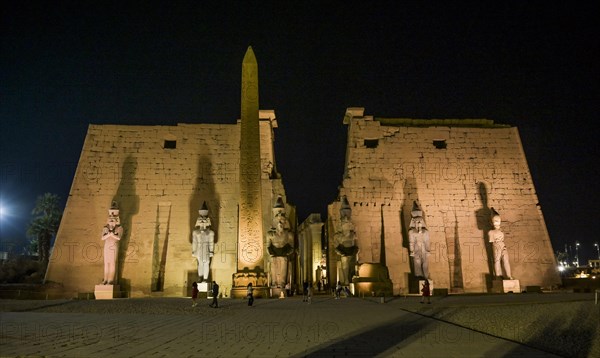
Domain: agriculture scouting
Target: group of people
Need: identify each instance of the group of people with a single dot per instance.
(214, 291)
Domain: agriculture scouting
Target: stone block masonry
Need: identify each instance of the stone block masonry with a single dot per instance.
(457, 170)
(159, 175)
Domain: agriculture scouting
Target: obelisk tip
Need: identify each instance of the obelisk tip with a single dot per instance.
(249, 56)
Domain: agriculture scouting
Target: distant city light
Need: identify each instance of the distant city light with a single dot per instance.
(561, 268)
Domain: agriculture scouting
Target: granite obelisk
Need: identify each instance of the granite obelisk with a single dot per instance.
(250, 267)
(250, 238)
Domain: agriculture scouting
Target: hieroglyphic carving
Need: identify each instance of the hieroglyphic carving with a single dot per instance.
(250, 210)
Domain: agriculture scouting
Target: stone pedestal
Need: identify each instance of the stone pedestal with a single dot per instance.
(257, 279)
(513, 286)
(276, 292)
(107, 292)
(373, 280)
(205, 289)
(506, 286)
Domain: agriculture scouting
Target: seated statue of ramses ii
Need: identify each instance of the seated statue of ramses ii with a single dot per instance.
(280, 245)
(345, 243)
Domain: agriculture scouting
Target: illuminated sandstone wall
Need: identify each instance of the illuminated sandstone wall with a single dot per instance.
(159, 191)
(457, 170)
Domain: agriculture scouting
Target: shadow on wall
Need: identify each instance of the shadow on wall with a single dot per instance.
(484, 224)
(454, 255)
(409, 195)
(128, 203)
(203, 191)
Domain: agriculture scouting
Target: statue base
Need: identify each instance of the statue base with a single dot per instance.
(107, 292)
(205, 290)
(257, 292)
(203, 287)
(506, 286)
(276, 292)
(373, 280)
(258, 280)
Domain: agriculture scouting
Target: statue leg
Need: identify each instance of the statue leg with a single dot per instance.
(425, 263)
(111, 273)
(506, 264)
(200, 269)
(418, 268)
(497, 259)
(347, 268)
(106, 273)
(206, 269)
(110, 253)
(344, 270)
(498, 267)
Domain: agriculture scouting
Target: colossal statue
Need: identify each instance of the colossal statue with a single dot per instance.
(280, 245)
(203, 243)
(111, 234)
(345, 244)
(496, 237)
(418, 240)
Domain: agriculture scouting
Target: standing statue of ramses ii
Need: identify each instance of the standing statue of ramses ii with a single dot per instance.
(111, 235)
(203, 243)
(418, 239)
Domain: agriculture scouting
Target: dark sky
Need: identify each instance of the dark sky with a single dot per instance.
(534, 65)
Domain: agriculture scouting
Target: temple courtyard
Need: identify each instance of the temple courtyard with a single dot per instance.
(527, 324)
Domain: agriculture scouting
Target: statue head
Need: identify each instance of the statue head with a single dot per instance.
(203, 210)
(417, 221)
(345, 209)
(203, 221)
(279, 219)
(496, 220)
(113, 215)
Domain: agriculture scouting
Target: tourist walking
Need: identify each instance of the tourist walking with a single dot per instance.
(426, 292)
(338, 290)
(309, 294)
(194, 294)
(305, 291)
(249, 294)
(215, 294)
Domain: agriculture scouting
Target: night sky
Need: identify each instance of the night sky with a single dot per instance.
(533, 65)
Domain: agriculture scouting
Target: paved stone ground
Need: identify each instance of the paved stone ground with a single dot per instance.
(160, 327)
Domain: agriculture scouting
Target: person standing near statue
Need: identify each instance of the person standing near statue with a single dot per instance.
(111, 234)
(194, 294)
(304, 291)
(345, 241)
(250, 294)
(426, 292)
(280, 240)
(338, 290)
(496, 237)
(215, 295)
(418, 238)
(203, 243)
